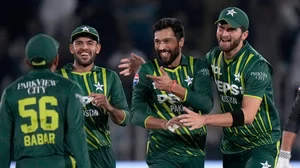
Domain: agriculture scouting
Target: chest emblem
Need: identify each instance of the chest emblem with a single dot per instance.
(98, 86)
(189, 80)
(237, 77)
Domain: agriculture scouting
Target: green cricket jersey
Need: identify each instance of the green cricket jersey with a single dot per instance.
(147, 101)
(247, 74)
(102, 81)
(40, 112)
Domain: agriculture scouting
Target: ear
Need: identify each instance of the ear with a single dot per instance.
(245, 35)
(71, 48)
(181, 42)
(55, 63)
(98, 48)
(28, 63)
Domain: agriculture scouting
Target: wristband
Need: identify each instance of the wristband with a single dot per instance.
(285, 154)
(173, 86)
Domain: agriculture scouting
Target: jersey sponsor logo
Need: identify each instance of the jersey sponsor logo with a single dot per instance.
(84, 100)
(224, 87)
(177, 109)
(136, 79)
(36, 86)
(228, 99)
(259, 75)
(91, 113)
(216, 70)
(171, 98)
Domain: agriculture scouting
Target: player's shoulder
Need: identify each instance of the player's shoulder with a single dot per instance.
(213, 53)
(255, 57)
(12, 86)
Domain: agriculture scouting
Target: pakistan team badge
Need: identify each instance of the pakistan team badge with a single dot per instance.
(98, 86)
(265, 165)
(189, 80)
(237, 77)
(85, 29)
(231, 12)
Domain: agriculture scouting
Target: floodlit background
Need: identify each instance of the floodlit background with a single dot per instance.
(125, 26)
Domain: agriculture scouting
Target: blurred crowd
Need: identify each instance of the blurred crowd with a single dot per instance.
(125, 26)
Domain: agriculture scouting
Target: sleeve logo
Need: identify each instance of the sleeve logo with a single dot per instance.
(136, 79)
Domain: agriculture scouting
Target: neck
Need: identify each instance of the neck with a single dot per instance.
(81, 69)
(176, 62)
(231, 54)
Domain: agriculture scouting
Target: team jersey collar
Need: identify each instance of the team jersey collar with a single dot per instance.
(69, 67)
(238, 54)
(40, 70)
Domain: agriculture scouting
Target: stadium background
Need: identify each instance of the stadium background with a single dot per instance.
(125, 26)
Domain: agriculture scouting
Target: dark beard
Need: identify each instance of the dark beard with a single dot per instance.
(234, 45)
(174, 55)
(92, 60)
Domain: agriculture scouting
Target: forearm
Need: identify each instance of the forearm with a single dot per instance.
(288, 140)
(220, 120)
(199, 101)
(118, 116)
(156, 123)
(179, 91)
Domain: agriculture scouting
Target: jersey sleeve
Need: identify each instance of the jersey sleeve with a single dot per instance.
(6, 121)
(75, 133)
(293, 122)
(140, 109)
(200, 96)
(257, 80)
(118, 99)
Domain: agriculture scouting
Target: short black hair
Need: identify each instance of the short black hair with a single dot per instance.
(172, 23)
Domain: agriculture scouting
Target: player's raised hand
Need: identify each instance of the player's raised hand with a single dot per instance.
(163, 82)
(130, 65)
(192, 119)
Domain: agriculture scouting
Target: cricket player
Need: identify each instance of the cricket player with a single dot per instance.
(104, 96)
(243, 79)
(162, 87)
(41, 121)
(290, 134)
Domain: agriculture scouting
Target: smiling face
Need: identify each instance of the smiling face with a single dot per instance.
(230, 39)
(167, 46)
(84, 50)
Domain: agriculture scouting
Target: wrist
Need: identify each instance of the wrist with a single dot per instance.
(164, 124)
(172, 86)
(285, 154)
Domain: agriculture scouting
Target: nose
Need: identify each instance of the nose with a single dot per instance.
(84, 46)
(225, 33)
(161, 46)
